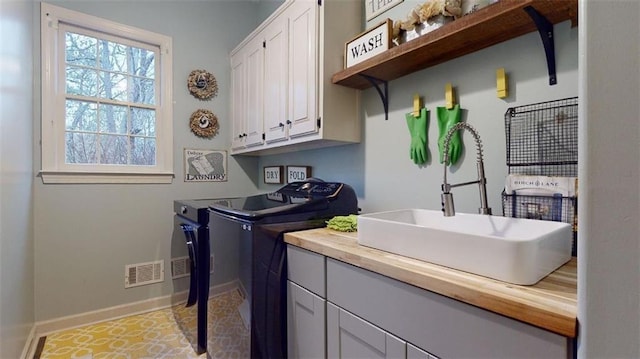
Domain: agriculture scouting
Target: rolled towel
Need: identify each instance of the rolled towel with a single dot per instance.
(344, 223)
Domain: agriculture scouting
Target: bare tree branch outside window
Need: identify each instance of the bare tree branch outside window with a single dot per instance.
(110, 102)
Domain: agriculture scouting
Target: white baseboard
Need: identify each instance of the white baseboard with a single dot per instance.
(30, 344)
(120, 311)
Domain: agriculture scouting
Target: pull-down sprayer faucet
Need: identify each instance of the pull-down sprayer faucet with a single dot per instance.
(447, 197)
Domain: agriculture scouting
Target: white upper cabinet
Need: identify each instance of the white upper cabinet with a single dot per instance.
(254, 103)
(282, 96)
(276, 63)
(247, 69)
(238, 110)
(303, 58)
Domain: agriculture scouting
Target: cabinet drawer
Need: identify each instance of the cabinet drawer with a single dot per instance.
(443, 326)
(307, 269)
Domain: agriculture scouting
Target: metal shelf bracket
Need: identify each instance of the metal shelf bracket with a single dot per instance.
(384, 92)
(545, 28)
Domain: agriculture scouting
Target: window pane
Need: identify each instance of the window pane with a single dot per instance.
(143, 62)
(113, 86)
(142, 91)
(80, 147)
(113, 150)
(81, 81)
(111, 112)
(143, 151)
(80, 116)
(113, 56)
(113, 119)
(143, 122)
(80, 49)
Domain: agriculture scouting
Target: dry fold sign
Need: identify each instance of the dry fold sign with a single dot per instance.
(368, 44)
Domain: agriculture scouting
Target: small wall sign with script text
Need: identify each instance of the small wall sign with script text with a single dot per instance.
(368, 44)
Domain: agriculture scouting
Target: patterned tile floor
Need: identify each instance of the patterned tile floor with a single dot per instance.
(167, 333)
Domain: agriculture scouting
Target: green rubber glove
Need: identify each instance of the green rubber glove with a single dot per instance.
(446, 120)
(418, 130)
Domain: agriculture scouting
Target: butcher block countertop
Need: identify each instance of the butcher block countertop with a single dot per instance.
(550, 304)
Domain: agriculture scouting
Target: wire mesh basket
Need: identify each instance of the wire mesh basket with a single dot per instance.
(546, 208)
(542, 140)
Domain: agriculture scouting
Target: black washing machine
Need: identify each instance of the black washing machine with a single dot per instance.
(259, 223)
(192, 221)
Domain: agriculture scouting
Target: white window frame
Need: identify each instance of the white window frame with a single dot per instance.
(54, 168)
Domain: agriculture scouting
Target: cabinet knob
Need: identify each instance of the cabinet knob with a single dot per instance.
(288, 122)
(281, 124)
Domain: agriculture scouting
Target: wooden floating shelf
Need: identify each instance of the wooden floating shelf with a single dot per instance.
(491, 25)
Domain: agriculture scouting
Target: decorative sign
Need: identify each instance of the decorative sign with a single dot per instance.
(273, 174)
(374, 8)
(205, 165)
(369, 44)
(298, 173)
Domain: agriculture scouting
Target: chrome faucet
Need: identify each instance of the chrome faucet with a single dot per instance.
(447, 197)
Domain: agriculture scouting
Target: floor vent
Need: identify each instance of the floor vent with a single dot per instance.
(143, 273)
(180, 267)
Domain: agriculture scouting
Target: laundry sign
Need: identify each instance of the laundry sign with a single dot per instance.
(205, 165)
(368, 44)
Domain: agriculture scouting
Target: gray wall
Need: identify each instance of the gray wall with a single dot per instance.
(16, 176)
(86, 234)
(267, 7)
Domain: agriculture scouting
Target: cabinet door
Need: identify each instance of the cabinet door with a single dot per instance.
(351, 337)
(414, 352)
(238, 109)
(276, 62)
(303, 69)
(306, 331)
(254, 92)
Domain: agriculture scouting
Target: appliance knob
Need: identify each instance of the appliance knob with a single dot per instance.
(183, 209)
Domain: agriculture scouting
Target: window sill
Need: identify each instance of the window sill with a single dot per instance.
(57, 177)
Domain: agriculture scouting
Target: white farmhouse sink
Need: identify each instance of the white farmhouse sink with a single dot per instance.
(514, 250)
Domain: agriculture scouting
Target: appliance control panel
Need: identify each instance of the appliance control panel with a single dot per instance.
(316, 189)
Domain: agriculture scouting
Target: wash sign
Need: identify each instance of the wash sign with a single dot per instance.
(368, 44)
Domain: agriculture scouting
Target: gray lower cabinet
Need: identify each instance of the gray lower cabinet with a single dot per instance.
(443, 326)
(337, 310)
(414, 352)
(306, 305)
(350, 337)
(306, 331)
